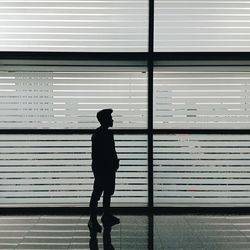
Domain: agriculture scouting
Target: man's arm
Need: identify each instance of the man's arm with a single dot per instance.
(114, 154)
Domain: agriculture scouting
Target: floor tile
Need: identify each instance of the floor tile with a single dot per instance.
(186, 232)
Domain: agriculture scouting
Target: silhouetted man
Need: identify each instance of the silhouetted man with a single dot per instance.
(104, 166)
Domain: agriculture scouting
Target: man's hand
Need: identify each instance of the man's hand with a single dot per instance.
(117, 164)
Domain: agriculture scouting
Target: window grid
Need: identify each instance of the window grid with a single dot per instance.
(151, 57)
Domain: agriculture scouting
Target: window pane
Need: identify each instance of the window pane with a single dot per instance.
(196, 169)
(56, 169)
(202, 25)
(57, 25)
(202, 97)
(68, 97)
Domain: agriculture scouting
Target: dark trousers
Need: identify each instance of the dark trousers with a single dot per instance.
(103, 184)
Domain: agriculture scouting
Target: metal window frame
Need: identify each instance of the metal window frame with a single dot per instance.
(174, 58)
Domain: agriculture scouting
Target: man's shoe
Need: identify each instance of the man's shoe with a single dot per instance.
(94, 226)
(110, 220)
(108, 247)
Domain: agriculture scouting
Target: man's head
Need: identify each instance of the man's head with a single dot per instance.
(105, 118)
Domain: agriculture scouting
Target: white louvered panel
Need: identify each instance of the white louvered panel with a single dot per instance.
(196, 169)
(196, 26)
(202, 97)
(56, 169)
(71, 99)
(75, 26)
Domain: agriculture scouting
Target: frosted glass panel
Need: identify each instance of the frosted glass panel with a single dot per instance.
(202, 97)
(197, 169)
(197, 25)
(70, 99)
(39, 170)
(79, 25)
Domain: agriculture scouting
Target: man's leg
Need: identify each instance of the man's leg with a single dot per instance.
(109, 189)
(108, 218)
(95, 197)
(106, 203)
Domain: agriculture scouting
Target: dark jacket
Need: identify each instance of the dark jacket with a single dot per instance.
(104, 156)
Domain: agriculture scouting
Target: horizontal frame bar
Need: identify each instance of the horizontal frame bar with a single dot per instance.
(201, 56)
(126, 131)
(73, 56)
(125, 210)
(169, 56)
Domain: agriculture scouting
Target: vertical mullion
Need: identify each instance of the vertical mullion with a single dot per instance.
(150, 104)
(150, 124)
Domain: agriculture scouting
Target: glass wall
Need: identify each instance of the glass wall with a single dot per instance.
(55, 100)
(46, 169)
(201, 97)
(55, 170)
(201, 167)
(80, 26)
(201, 26)
(122, 26)
(69, 98)
(210, 169)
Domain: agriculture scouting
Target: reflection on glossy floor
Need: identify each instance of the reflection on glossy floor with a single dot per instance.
(134, 232)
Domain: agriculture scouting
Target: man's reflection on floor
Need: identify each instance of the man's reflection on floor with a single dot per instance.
(107, 242)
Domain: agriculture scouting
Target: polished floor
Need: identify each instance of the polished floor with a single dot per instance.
(134, 232)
